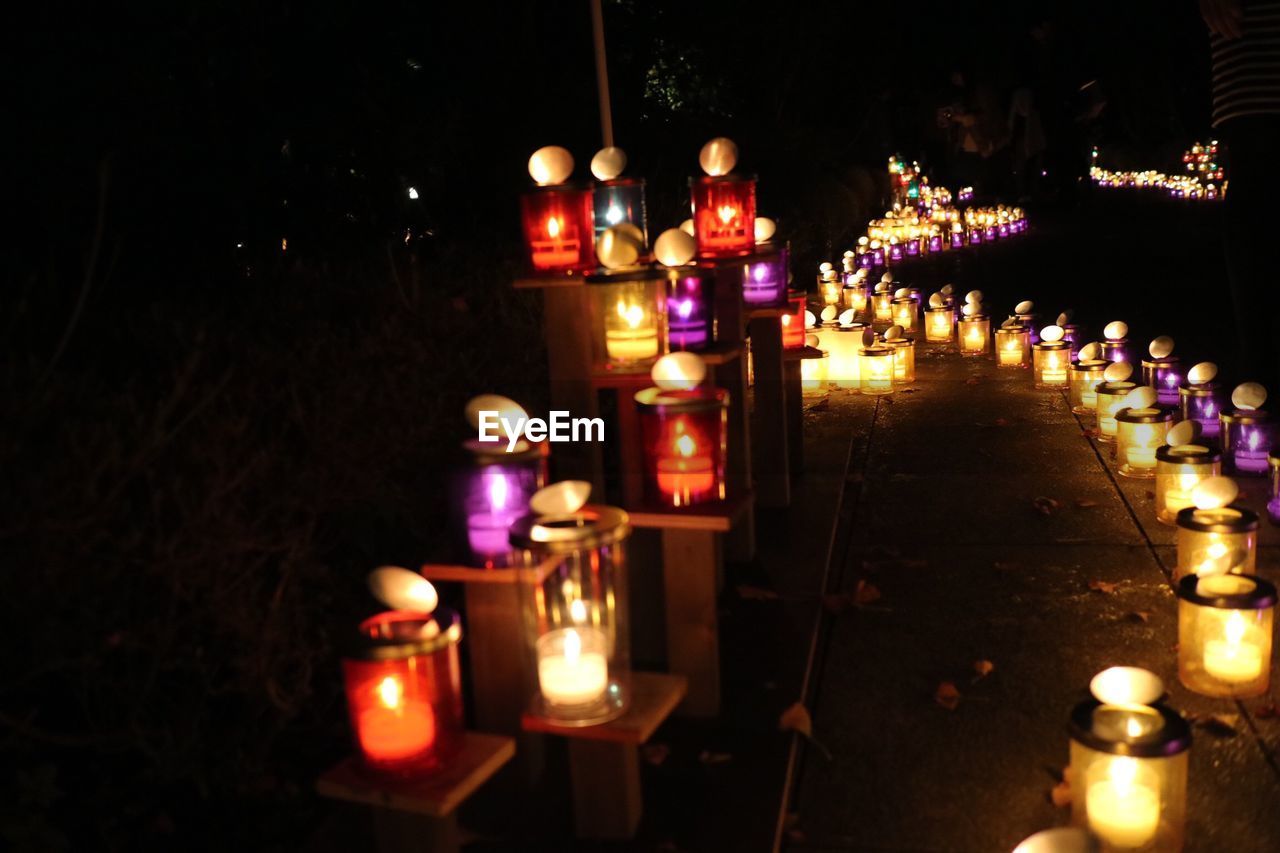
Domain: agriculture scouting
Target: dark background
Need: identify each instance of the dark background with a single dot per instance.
(236, 352)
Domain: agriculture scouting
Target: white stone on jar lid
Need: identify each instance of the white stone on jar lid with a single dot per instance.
(1115, 330)
(1214, 492)
(1248, 396)
(1024, 307)
(765, 228)
(1182, 433)
(936, 300)
(675, 248)
(1202, 372)
(1126, 685)
(1051, 334)
(1091, 351)
(1142, 397)
(1161, 347)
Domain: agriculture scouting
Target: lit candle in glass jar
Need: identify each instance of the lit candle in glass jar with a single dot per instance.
(1139, 432)
(1232, 659)
(974, 331)
(487, 526)
(1225, 625)
(1124, 806)
(1110, 399)
(1083, 379)
(1013, 342)
(939, 323)
(903, 311)
(632, 336)
(1201, 398)
(1179, 470)
(1050, 358)
(1246, 440)
(875, 367)
(572, 666)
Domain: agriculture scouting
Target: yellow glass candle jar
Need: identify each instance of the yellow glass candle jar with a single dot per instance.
(1083, 379)
(1217, 541)
(854, 298)
(1139, 433)
(842, 344)
(975, 334)
(1179, 470)
(813, 368)
(1110, 396)
(628, 315)
(904, 313)
(904, 359)
(1049, 362)
(1225, 625)
(1013, 346)
(875, 369)
(882, 306)
(1128, 775)
(939, 324)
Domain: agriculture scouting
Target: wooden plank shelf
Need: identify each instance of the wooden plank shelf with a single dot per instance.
(802, 353)
(716, 517)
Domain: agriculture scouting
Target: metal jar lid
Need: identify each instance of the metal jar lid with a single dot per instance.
(1090, 365)
(400, 634)
(1204, 389)
(1115, 389)
(1245, 417)
(1227, 519)
(676, 400)
(495, 452)
(1228, 592)
(592, 526)
(1170, 734)
(1144, 416)
(1167, 361)
(1048, 346)
(1188, 454)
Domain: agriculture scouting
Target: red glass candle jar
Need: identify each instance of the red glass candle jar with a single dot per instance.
(793, 322)
(559, 223)
(685, 434)
(621, 200)
(404, 691)
(724, 214)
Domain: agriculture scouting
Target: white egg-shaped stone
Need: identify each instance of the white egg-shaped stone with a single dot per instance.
(848, 254)
(882, 287)
(811, 341)
(1061, 839)
(1024, 307)
(868, 337)
(1118, 371)
(687, 227)
(973, 296)
(765, 228)
(618, 247)
(608, 163)
(829, 275)
(1214, 492)
(678, 371)
(504, 406)
(970, 309)
(1142, 397)
(846, 317)
(1091, 351)
(947, 289)
(1183, 432)
(1064, 318)
(719, 156)
(893, 333)
(902, 293)
(936, 300)
(402, 589)
(1161, 347)
(1011, 323)
(1115, 330)
(1248, 396)
(562, 497)
(550, 164)
(1051, 334)
(825, 266)
(1202, 372)
(674, 248)
(829, 313)
(1126, 685)
(810, 319)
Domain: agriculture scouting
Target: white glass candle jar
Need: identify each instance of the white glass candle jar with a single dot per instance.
(1049, 362)
(1013, 346)
(939, 324)
(975, 335)
(1110, 397)
(843, 344)
(1179, 470)
(904, 360)
(813, 372)
(574, 594)
(854, 297)
(1083, 379)
(1217, 541)
(1225, 625)
(1139, 433)
(876, 369)
(1128, 775)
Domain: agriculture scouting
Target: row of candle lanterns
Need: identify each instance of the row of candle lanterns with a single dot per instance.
(907, 232)
(1205, 179)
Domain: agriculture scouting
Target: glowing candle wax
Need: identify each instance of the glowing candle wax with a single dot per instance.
(686, 471)
(1124, 808)
(572, 666)
(1233, 659)
(487, 527)
(633, 337)
(389, 729)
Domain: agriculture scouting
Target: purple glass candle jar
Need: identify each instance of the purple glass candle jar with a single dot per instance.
(1003, 229)
(1246, 441)
(913, 247)
(935, 243)
(877, 256)
(975, 237)
(1071, 334)
(1116, 350)
(866, 260)
(491, 493)
(957, 239)
(764, 279)
(991, 234)
(1273, 494)
(1203, 404)
(895, 252)
(1164, 375)
(689, 312)
(621, 200)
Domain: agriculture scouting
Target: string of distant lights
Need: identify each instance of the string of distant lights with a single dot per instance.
(1205, 179)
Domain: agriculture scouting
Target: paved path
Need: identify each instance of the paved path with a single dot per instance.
(944, 525)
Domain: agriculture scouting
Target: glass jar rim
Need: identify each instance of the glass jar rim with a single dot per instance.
(592, 526)
(675, 400)
(400, 634)
(1171, 738)
(1186, 454)
(1255, 593)
(1227, 519)
(1148, 415)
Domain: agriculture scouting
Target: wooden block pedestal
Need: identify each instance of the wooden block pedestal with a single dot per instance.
(770, 446)
(419, 815)
(793, 360)
(604, 760)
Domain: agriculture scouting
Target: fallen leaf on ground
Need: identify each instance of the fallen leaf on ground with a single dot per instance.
(821, 406)
(755, 593)
(1000, 422)
(796, 719)
(1060, 796)
(708, 757)
(1138, 616)
(865, 592)
(983, 668)
(908, 390)
(947, 695)
(1085, 503)
(655, 753)
(1104, 587)
(1045, 506)
(972, 381)
(1222, 725)
(1267, 711)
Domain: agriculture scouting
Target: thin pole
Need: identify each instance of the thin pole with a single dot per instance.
(602, 73)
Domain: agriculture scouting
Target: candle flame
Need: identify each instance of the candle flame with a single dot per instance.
(577, 610)
(686, 446)
(633, 314)
(572, 646)
(684, 307)
(1253, 439)
(553, 227)
(1234, 632)
(1123, 769)
(613, 215)
(727, 213)
(498, 492)
(390, 692)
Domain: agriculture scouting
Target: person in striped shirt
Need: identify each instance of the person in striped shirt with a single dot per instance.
(1244, 36)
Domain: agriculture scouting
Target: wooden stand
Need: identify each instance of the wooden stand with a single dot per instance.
(693, 574)
(770, 417)
(604, 760)
(419, 816)
(792, 371)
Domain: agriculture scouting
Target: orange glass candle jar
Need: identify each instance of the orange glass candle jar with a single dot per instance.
(404, 691)
(1180, 469)
(793, 330)
(1109, 397)
(559, 223)
(684, 435)
(724, 214)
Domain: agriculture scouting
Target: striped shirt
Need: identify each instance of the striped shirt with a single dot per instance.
(1246, 70)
